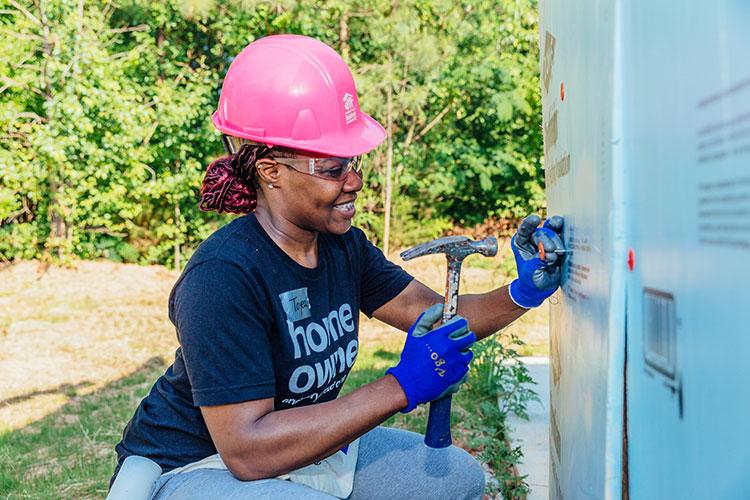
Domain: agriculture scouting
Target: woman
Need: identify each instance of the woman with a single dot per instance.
(266, 311)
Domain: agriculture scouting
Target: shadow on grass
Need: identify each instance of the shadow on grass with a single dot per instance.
(69, 389)
(70, 453)
(389, 356)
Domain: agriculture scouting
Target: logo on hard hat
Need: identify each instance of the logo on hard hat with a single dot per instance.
(350, 111)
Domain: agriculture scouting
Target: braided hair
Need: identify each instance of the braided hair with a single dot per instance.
(230, 185)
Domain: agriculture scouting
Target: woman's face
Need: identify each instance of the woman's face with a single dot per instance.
(317, 204)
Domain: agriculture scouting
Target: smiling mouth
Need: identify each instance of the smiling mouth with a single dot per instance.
(345, 207)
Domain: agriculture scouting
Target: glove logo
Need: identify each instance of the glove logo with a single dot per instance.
(435, 357)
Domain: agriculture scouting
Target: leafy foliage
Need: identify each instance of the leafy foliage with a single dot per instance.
(104, 115)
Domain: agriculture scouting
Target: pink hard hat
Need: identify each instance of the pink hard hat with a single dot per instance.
(297, 92)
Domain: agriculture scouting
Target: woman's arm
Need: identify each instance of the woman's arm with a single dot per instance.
(256, 442)
(486, 313)
(539, 275)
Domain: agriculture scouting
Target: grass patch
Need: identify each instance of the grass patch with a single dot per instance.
(69, 453)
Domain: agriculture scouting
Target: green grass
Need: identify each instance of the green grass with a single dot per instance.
(69, 453)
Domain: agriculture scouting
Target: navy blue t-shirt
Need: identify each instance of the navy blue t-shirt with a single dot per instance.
(252, 323)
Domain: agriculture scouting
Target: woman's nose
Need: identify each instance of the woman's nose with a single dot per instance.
(353, 182)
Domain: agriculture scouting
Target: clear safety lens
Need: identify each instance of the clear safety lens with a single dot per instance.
(332, 168)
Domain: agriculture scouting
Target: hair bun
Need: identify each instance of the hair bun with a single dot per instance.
(228, 185)
(223, 191)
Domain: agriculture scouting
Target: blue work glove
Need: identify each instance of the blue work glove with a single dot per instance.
(537, 278)
(433, 363)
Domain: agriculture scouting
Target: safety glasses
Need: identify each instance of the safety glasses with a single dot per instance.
(331, 168)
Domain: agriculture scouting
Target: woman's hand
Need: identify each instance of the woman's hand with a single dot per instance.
(539, 254)
(433, 362)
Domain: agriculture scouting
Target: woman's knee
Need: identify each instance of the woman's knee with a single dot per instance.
(472, 476)
(396, 464)
(216, 483)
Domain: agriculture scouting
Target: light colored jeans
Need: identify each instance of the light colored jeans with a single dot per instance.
(392, 464)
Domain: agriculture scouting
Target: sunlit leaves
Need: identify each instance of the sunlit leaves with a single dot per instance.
(105, 114)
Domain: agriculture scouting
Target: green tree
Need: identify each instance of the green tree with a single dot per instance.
(76, 126)
(104, 113)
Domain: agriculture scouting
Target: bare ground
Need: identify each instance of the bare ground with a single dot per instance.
(71, 331)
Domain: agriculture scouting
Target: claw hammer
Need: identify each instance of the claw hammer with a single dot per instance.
(456, 249)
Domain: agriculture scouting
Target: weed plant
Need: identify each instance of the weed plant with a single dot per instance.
(499, 384)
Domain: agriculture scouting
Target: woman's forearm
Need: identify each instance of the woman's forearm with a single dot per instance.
(486, 313)
(282, 441)
(489, 312)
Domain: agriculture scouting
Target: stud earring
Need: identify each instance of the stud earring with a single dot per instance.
(270, 186)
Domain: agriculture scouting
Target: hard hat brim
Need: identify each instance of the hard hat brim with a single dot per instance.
(359, 138)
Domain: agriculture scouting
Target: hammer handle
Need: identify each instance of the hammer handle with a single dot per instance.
(452, 281)
(438, 434)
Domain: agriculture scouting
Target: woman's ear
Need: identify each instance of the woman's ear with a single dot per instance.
(268, 171)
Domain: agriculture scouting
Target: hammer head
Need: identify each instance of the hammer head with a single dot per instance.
(454, 247)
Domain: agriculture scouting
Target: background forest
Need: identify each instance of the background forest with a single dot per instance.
(105, 116)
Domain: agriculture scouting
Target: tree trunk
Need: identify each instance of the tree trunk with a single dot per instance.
(344, 35)
(58, 231)
(389, 159)
(177, 253)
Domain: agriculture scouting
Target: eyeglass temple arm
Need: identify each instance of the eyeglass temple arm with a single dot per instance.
(227, 144)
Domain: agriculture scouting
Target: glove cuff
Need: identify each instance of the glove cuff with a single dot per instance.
(520, 295)
(410, 403)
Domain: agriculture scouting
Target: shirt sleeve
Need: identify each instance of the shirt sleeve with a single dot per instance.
(223, 326)
(382, 280)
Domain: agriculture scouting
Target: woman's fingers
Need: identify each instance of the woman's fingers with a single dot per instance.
(546, 246)
(526, 229)
(465, 341)
(555, 223)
